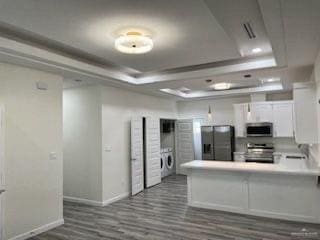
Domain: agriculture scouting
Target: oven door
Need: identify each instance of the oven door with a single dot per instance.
(259, 130)
(259, 158)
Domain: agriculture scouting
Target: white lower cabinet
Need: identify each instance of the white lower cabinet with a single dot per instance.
(290, 197)
(220, 191)
(239, 157)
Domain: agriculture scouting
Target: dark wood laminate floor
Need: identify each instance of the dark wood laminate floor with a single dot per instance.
(161, 213)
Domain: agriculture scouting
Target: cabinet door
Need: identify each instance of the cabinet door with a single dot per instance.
(283, 120)
(305, 107)
(240, 119)
(261, 112)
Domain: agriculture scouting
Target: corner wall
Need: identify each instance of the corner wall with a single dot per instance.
(97, 146)
(33, 129)
(82, 144)
(315, 149)
(117, 108)
(221, 108)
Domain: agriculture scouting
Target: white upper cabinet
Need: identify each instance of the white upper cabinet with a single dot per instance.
(283, 119)
(278, 113)
(305, 112)
(240, 118)
(260, 112)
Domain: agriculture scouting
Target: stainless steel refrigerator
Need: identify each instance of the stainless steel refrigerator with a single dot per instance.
(217, 142)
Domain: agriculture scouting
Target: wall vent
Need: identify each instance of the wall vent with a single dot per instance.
(248, 28)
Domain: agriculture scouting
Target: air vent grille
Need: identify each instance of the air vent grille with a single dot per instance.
(249, 30)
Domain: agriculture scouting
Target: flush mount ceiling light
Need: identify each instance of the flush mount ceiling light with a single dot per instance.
(270, 80)
(134, 43)
(256, 50)
(221, 86)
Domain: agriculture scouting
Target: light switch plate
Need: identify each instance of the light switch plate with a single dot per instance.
(108, 148)
(53, 156)
(42, 86)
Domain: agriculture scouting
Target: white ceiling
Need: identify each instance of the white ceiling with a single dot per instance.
(194, 39)
(301, 21)
(184, 32)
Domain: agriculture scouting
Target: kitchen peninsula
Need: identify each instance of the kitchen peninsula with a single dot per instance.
(281, 190)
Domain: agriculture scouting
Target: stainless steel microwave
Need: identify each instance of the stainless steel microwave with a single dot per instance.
(260, 129)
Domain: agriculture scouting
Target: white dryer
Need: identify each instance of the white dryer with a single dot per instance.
(170, 162)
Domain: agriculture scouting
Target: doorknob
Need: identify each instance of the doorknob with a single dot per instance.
(2, 191)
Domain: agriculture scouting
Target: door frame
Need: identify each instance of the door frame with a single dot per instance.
(2, 162)
(177, 144)
(133, 156)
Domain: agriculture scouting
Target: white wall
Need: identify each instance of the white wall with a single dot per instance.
(167, 140)
(33, 129)
(315, 149)
(280, 96)
(97, 139)
(222, 113)
(117, 108)
(82, 143)
(222, 109)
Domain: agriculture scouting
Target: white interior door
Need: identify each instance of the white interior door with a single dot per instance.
(153, 168)
(185, 150)
(136, 155)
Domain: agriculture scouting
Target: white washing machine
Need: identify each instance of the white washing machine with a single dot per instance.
(170, 162)
(163, 155)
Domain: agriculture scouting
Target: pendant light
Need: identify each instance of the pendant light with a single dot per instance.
(249, 112)
(209, 115)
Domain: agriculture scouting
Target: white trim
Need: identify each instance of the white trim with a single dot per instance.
(255, 212)
(115, 199)
(39, 230)
(96, 203)
(2, 163)
(83, 201)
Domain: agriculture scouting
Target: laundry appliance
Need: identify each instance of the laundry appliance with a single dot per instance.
(163, 162)
(170, 162)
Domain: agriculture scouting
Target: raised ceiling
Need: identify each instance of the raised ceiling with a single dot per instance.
(184, 32)
(194, 40)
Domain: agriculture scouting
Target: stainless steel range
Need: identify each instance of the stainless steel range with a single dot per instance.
(259, 152)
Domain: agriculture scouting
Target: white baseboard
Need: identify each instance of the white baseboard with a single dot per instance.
(83, 201)
(115, 199)
(255, 212)
(96, 203)
(38, 230)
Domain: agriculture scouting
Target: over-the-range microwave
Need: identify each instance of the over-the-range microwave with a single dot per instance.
(259, 129)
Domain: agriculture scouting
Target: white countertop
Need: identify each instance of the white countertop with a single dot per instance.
(251, 167)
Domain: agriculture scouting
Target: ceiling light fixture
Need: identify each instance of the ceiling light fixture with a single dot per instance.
(134, 43)
(221, 86)
(209, 115)
(270, 80)
(256, 50)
